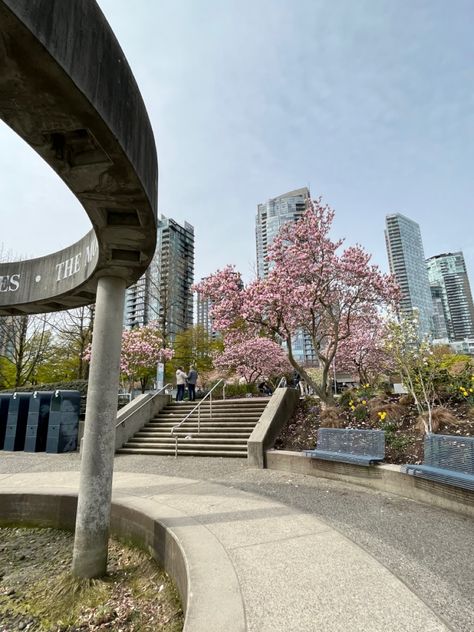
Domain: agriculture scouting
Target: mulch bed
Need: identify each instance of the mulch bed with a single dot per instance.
(39, 594)
(403, 439)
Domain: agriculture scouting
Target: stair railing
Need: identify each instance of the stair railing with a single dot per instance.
(145, 403)
(198, 408)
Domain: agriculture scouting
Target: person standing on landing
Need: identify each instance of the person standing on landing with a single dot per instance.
(180, 383)
(192, 379)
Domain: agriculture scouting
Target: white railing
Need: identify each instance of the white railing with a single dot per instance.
(282, 383)
(145, 403)
(198, 408)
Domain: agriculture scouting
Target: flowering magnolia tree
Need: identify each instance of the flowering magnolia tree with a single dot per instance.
(254, 358)
(364, 352)
(311, 287)
(415, 360)
(142, 349)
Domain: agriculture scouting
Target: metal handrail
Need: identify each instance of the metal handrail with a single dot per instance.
(132, 412)
(282, 379)
(198, 408)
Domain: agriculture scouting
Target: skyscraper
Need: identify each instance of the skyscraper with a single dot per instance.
(163, 294)
(271, 216)
(407, 264)
(203, 316)
(447, 272)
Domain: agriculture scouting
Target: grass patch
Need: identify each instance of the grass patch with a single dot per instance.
(38, 590)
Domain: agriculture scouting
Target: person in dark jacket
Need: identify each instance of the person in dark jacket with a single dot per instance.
(192, 379)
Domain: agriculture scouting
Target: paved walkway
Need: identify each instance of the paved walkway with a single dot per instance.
(308, 554)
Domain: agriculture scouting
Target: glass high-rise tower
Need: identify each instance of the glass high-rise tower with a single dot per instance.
(407, 264)
(163, 294)
(447, 273)
(271, 216)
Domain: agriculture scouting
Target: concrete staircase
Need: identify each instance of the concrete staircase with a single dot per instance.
(225, 434)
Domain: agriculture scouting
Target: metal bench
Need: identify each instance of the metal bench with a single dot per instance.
(361, 447)
(448, 459)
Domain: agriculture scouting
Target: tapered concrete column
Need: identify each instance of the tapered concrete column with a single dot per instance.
(95, 488)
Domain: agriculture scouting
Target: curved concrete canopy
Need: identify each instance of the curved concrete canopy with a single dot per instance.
(67, 90)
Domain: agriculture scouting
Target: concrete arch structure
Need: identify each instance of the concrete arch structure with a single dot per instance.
(68, 91)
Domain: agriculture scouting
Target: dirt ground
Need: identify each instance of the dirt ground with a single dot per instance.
(38, 592)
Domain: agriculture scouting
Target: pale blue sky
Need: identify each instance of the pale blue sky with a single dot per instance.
(369, 102)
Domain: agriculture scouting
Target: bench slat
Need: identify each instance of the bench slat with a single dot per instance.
(450, 452)
(352, 441)
(447, 459)
(342, 457)
(349, 445)
(449, 477)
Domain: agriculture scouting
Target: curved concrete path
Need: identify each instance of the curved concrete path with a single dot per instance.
(306, 555)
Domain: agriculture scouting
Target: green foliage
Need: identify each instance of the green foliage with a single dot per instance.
(360, 412)
(240, 390)
(74, 385)
(7, 373)
(365, 392)
(347, 398)
(388, 427)
(396, 441)
(195, 347)
(355, 401)
(61, 364)
(461, 386)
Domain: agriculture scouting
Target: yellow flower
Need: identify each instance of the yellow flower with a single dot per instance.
(366, 385)
(382, 414)
(364, 402)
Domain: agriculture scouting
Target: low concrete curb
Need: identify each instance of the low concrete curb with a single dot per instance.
(190, 554)
(132, 417)
(384, 478)
(279, 409)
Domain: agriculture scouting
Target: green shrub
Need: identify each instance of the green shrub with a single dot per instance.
(74, 385)
(361, 412)
(234, 390)
(346, 397)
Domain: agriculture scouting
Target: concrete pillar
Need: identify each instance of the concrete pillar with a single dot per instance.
(97, 462)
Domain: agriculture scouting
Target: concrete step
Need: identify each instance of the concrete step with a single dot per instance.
(181, 410)
(208, 423)
(186, 440)
(245, 434)
(205, 412)
(214, 407)
(173, 421)
(226, 433)
(184, 452)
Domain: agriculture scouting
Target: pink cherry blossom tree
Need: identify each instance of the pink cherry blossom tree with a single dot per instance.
(311, 287)
(142, 349)
(253, 359)
(365, 352)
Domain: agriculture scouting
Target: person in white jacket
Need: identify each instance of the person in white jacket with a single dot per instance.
(180, 383)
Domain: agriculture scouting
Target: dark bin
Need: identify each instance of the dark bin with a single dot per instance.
(63, 421)
(4, 405)
(16, 421)
(37, 424)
